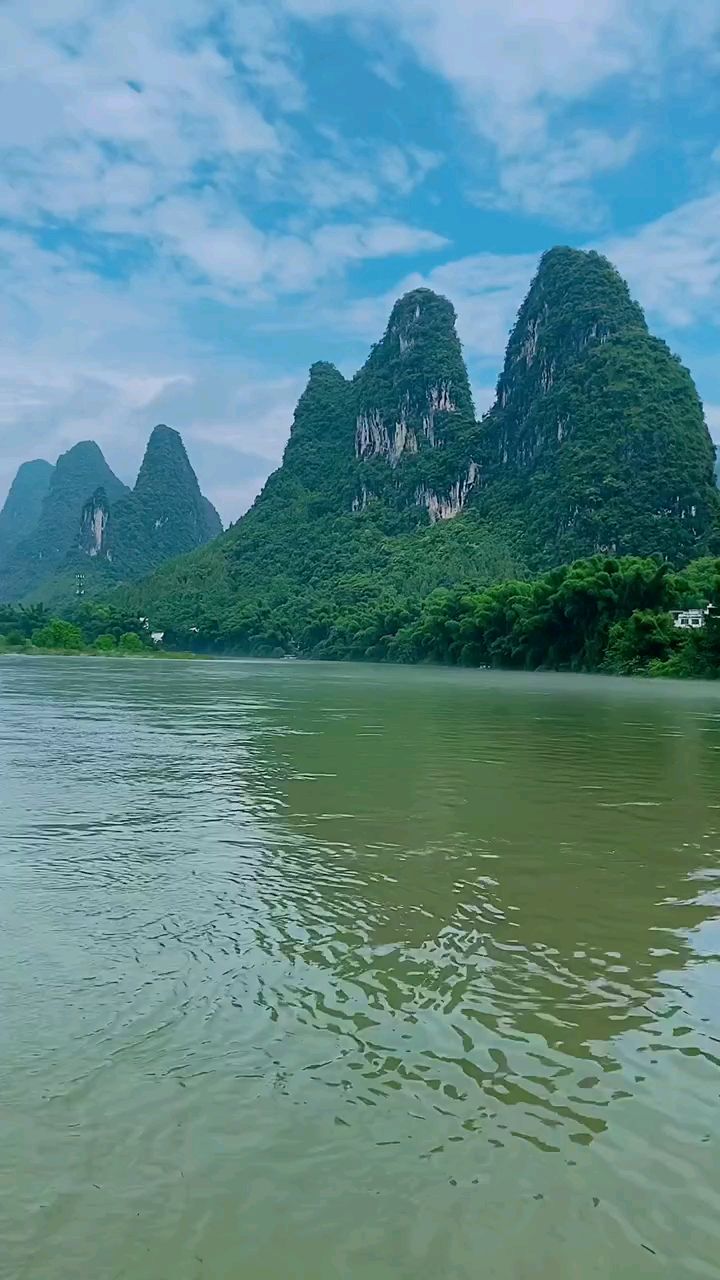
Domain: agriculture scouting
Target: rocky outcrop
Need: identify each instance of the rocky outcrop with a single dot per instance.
(449, 506)
(93, 525)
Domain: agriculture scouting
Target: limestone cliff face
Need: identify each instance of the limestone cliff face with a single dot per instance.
(93, 525)
(414, 431)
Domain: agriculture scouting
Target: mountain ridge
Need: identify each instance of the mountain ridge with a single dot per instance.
(390, 488)
(77, 473)
(93, 532)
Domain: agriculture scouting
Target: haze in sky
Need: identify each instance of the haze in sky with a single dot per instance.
(198, 198)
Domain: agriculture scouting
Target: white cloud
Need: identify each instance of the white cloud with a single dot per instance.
(363, 174)
(229, 252)
(160, 158)
(249, 415)
(673, 264)
(257, 37)
(556, 183)
(517, 69)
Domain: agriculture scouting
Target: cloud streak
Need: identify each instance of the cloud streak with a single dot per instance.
(183, 226)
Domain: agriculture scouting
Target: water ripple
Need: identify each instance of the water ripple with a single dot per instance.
(424, 966)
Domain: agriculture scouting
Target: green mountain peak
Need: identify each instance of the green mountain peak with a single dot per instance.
(22, 507)
(577, 299)
(597, 441)
(166, 515)
(92, 524)
(77, 474)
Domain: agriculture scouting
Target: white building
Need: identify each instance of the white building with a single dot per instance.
(691, 619)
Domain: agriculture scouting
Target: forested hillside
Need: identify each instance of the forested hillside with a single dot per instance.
(390, 487)
(597, 441)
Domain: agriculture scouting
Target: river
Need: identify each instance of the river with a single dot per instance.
(333, 972)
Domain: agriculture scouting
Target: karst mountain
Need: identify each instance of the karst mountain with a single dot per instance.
(89, 531)
(389, 484)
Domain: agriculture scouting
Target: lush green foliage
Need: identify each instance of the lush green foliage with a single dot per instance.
(101, 628)
(58, 634)
(301, 551)
(600, 614)
(597, 442)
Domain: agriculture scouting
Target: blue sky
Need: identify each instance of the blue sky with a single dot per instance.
(198, 198)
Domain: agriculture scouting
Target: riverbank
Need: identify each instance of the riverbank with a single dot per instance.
(607, 615)
(34, 651)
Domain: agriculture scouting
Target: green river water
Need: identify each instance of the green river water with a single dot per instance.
(315, 972)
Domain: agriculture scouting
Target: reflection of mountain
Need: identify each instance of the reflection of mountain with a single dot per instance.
(483, 889)
(435, 907)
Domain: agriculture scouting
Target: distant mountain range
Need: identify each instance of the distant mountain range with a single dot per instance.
(77, 518)
(390, 487)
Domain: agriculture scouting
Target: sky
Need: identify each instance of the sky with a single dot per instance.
(199, 198)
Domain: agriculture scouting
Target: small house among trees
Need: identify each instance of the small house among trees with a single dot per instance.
(686, 619)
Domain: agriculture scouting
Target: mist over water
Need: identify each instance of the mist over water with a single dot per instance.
(378, 973)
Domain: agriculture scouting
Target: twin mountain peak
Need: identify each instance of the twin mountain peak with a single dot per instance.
(78, 517)
(596, 441)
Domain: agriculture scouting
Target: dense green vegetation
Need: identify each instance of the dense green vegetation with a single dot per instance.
(389, 488)
(91, 629)
(597, 441)
(302, 548)
(600, 614)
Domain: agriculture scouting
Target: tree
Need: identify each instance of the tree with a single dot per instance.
(131, 643)
(58, 634)
(640, 640)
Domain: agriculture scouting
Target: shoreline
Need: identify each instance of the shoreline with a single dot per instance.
(646, 677)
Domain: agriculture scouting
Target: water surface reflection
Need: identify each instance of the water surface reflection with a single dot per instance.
(357, 972)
